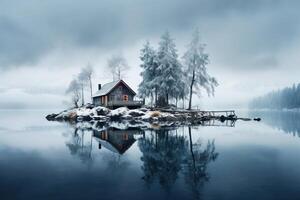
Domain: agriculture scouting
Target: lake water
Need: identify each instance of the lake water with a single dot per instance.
(245, 160)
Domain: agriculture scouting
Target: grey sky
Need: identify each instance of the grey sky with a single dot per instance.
(253, 45)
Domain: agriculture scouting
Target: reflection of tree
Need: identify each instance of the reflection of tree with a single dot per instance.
(287, 121)
(116, 164)
(162, 155)
(80, 145)
(165, 154)
(195, 164)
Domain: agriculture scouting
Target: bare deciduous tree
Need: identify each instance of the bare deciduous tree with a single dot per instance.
(74, 91)
(117, 65)
(82, 84)
(85, 77)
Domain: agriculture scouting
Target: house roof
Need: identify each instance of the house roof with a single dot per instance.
(119, 148)
(108, 87)
(107, 145)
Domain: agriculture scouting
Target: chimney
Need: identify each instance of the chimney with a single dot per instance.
(99, 86)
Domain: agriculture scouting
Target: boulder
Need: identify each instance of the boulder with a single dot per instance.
(102, 110)
(72, 116)
(118, 113)
(89, 106)
(222, 118)
(51, 117)
(136, 113)
(144, 109)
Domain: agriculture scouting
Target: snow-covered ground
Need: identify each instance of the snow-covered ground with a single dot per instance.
(99, 118)
(99, 113)
(122, 118)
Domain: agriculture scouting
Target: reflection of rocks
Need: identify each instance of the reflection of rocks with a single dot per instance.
(136, 124)
(166, 154)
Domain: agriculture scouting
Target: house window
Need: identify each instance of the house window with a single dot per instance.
(125, 136)
(125, 97)
(104, 135)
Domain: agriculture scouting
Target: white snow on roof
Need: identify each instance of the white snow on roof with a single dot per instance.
(106, 88)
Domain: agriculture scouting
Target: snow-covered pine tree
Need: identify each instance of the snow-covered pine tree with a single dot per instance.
(148, 86)
(169, 68)
(195, 60)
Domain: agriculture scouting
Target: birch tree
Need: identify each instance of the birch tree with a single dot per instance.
(196, 60)
(85, 77)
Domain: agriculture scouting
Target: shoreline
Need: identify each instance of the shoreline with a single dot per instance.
(90, 113)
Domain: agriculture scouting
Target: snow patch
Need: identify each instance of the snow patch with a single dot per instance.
(119, 112)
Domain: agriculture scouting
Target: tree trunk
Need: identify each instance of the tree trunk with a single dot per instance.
(82, 95)
(151, 99)
(191, 90)
(167, 99)
(119, 73)
(91, 88)
(155, 96)
(191, 148)
(76, 132)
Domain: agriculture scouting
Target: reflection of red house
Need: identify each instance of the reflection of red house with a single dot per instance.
(116, 140)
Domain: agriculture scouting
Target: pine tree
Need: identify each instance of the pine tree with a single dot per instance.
(169, 68)
(286, 98)
(149, 85)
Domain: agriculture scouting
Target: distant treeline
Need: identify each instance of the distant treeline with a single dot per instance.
(287, 98)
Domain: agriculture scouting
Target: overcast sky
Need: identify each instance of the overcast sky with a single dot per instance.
(253, 45)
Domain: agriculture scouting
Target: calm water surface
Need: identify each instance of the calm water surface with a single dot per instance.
(51, 160)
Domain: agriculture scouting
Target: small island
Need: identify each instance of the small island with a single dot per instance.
(115, 102)
(166, 81)
(103, 114)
